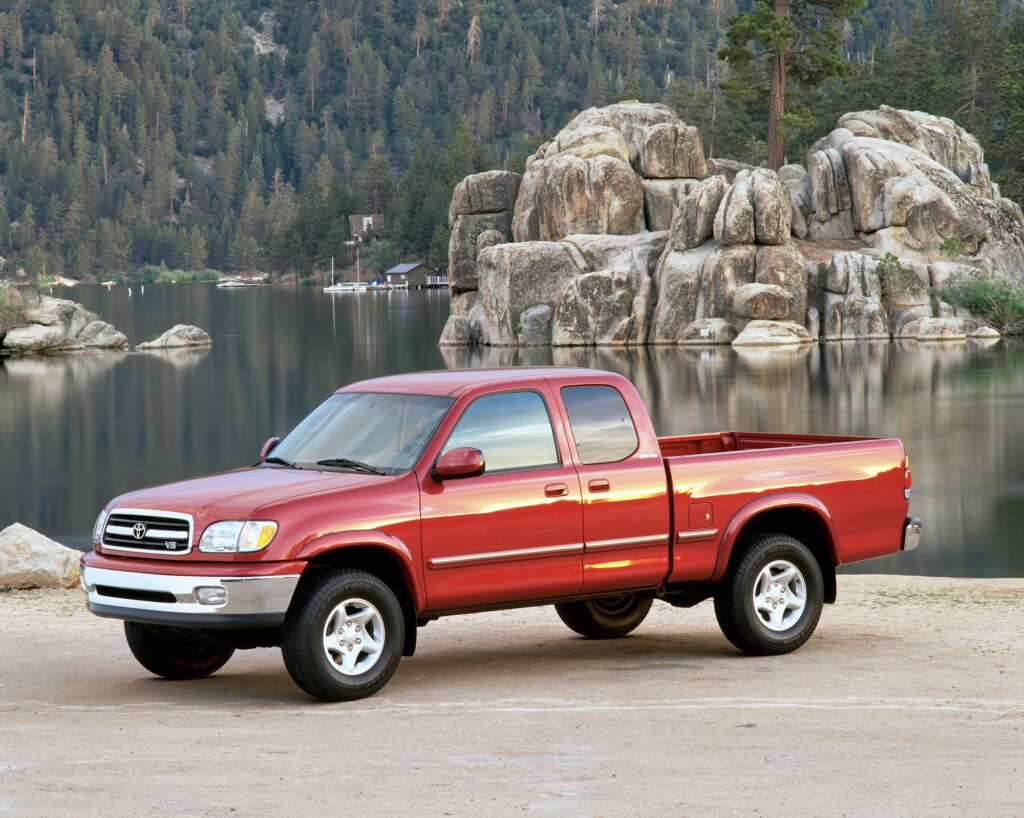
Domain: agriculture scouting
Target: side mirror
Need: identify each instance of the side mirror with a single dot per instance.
(465, 462)
(268, 447)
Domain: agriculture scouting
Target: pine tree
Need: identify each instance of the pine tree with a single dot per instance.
(797, 38)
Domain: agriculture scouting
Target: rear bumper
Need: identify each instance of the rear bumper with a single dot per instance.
(171, 599)
(911, 534)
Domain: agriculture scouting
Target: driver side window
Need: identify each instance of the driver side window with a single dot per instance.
(512, 429)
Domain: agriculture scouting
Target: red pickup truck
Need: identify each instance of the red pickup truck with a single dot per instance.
(405, 498)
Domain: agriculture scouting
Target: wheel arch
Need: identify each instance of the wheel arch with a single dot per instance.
(801, 516)
(375, 552)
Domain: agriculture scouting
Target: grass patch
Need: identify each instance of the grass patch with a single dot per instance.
(996, 301)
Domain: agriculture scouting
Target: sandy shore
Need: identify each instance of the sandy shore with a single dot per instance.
(908, 700)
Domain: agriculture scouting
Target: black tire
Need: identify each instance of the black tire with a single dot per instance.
(793, 603)
(609, 617)
(174, 655)
(319, 669)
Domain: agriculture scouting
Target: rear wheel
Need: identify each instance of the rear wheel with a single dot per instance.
(606, 618)
(344, 639)
(771, 602)
(172, 654)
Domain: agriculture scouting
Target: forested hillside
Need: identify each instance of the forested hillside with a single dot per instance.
(239, 135)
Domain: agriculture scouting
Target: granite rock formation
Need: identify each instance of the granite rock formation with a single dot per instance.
(621, 232)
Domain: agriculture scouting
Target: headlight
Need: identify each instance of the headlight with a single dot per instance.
(97, 528)
(237, 536)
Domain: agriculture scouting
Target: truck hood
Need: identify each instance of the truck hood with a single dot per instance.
(237, 495)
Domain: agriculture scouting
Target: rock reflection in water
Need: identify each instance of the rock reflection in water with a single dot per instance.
(76, 430)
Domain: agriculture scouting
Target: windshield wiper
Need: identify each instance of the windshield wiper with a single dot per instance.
(345, 463)
(291, 464)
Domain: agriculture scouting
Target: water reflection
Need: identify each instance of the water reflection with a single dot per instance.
(76, 430)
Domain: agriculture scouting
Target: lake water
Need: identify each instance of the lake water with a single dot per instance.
(76, 430)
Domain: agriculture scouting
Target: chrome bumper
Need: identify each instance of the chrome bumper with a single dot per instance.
(911, 534)
(171, 599)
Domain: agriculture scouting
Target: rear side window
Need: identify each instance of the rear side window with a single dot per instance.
(512, 429)
(600, 422)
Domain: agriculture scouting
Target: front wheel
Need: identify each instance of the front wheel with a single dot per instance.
(170, 653)
(606, 618)
(344, 638)
(771, 603)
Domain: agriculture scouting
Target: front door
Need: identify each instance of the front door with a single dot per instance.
(513, 533)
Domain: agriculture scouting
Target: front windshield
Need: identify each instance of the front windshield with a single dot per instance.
(373, 432)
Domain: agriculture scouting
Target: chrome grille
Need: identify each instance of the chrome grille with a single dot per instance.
(161, 532)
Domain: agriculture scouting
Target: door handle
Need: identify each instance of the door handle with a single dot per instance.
(599, 485)
(556, 490)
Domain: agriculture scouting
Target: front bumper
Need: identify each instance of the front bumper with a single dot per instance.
(911, 534)
(170, 599)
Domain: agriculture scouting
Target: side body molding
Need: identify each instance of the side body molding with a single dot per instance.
(775, 502)
(397, 549)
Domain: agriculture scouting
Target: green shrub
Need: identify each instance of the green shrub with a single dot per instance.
(953, 246)
(994, 300)
(12, 309)
(309, 282)
(893, 276)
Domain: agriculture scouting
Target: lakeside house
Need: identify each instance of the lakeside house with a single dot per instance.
(415, 275)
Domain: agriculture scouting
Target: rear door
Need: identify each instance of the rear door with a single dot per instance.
(624, 489)
(516, 531)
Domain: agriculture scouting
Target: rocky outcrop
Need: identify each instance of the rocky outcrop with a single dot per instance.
(178, 336)
(480, 215)
(623, 233)
(51, 325)
(101, 335)
(30, 560)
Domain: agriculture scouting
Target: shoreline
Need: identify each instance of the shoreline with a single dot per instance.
(909, 699)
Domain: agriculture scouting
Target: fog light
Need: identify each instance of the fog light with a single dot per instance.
(211, 596)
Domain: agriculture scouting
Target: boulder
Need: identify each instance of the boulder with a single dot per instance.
(630, 118)
(515, 277)
(465, 242)
(694, 217)
(661, 197)
(102, 335)
(596, 195)
(535, 326)
(610, 304)
(36, 338)
(933, 329)
(725, 271)
(772, 333)
(677, 290)
(180, 335)
(798, 185)
(671, 150)
(728, 168)
(30, 560)
(457, 328)
(586, 142)
(938, 138)
(772, 209)
(492, 191)
(734, 221)
(853, 306)
(52, 312)
(762, 301)
(784, 266)
(527, 212)
(707, 331)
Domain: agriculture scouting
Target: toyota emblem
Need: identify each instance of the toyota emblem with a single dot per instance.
(138, 531)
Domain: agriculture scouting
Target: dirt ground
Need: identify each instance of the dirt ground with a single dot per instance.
(909, 700)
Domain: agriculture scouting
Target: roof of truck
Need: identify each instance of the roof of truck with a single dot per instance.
(456, 381)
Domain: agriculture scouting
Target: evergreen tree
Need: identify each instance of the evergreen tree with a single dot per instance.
(798, 38)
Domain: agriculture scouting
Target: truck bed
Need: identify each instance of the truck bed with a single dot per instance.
(682, 445)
